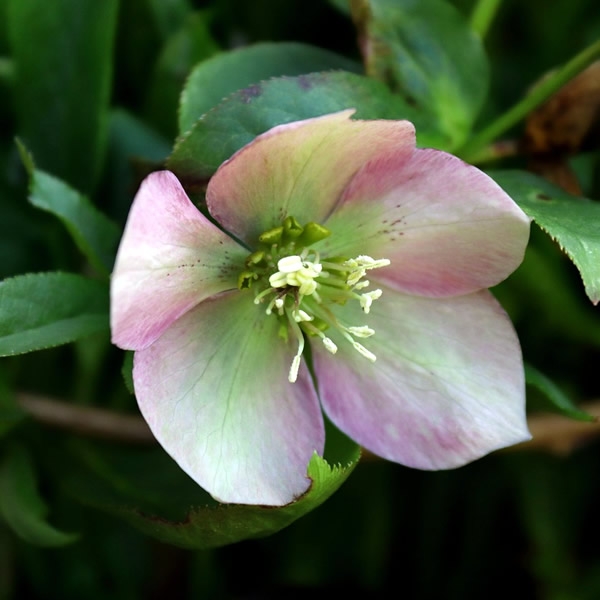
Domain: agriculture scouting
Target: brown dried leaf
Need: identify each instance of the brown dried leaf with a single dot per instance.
(562, 126)
(563, 123)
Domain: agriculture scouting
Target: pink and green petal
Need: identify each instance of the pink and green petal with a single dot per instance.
(170, 258)
(447, 386)
(447, 228)
(299, 169)
(214, 389)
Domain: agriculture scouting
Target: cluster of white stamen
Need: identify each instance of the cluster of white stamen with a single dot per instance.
(358, 269)
(294, 295)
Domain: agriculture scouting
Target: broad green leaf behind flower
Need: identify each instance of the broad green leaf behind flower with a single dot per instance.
(254, 110)
(93, 232)
(42, 310)
(213, 527)
(572, 222)
(145, 488)
(426, 52)
(215, 79)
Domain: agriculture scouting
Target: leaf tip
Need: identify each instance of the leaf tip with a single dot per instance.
(26, 157)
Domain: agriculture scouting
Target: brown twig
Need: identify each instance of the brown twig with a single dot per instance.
(560, 435)
(551, 433)
(86, 420)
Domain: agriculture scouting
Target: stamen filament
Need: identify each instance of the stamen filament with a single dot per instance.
(295, 366)
(325, 315)
(333, 282)
(259, 297)
(329, 344)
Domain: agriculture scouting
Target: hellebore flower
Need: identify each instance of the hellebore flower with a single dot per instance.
(342, 235)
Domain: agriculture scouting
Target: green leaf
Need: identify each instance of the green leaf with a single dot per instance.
(545, 305)
(426, 51)
(252, 111)
(227, 524)
(557, 399)
(150, 492)
(21, 505)
(94, 234)
(571, 221)
(48, 309)
(63, 63)
(215, 79)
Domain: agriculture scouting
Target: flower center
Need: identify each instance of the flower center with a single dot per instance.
(298, 286)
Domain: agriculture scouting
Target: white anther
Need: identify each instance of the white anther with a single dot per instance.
(308, 287)
(311, 269)
(302, 316)
(295, 366)
(279, 304)
(355, 277)
(370, 263)
(293, 374)
(367, 299)
(362, 285)
(278, 280)
(294, 271)
(302, 276)
(365, 303)
(362, 332)
(289, 264)
(329, 345)
(366, 353)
